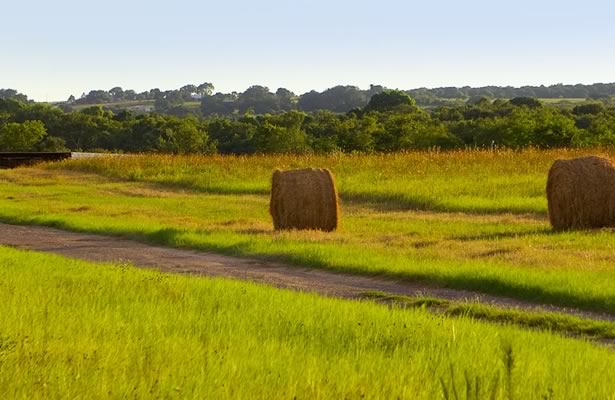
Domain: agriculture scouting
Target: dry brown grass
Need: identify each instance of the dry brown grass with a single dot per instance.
(304, 199)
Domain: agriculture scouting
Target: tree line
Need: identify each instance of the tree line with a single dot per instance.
(260, 100)
(340, 99)
(390, 121)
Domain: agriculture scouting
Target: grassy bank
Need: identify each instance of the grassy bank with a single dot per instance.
(72, 329)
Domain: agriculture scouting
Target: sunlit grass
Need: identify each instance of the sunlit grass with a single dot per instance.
(202, 202)
(475, 181)
(71, 329)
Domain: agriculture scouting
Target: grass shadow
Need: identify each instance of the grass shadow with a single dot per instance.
(504, 235)
(217, 190)
(409, 202)
(376, 201)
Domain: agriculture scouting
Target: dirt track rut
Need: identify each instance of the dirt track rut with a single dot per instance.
(116, 249)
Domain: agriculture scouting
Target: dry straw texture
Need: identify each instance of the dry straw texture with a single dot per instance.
(304, 199)
(581, 193)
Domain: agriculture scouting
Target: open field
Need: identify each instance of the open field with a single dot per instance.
(467, 181)
(118, 104)
(461, 220)
(72, 329)
(465, 220)
(98, 248)
(563, 100)
(128, 104)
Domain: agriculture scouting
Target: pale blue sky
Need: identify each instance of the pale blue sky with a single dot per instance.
(51, 49)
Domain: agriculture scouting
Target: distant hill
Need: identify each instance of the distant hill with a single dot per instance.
(201, 99)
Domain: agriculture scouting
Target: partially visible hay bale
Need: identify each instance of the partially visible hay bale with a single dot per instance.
(304, 199)
(581, 193)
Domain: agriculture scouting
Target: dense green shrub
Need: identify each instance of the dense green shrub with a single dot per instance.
(390, 122)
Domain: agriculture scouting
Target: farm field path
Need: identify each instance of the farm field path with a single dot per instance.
(100, 248)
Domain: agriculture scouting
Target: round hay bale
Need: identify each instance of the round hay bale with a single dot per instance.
(304, 199)
(581, 193)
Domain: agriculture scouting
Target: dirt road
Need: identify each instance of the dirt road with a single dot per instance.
(114, 249)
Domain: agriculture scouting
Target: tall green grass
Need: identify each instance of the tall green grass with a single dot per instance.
(502, 243)
(474, 181)
(71, 329)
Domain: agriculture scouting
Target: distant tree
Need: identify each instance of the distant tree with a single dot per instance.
(447, 114)
(96, 111)
(188, 89)
(171, 102)
(186, 92)
(524, 126)
(131, 95)
(233, 136)
(117, 93)
(355, 113)
(590, 108)
(389, 100)
(168, 134)
(324, 129)
(184, 135)
(258, 99)
(479, 101)
(406, 131)
(95, 97)
(218, 104)
(21, 136)
(359, 134)
(205, 89)
(281, 134)
(155, 94)
(374, 89)
(51, 144)
(337, 99)
(13, 95)
(426, 97)
(598, 130)
(530, 102)
(4, 118)
(599, 96)
(285, 98)
(450, 93)
(91, 128)
(48, 114)
(310, 101)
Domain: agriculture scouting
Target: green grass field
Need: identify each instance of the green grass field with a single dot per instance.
(471, 220)
(71, 329)
(563, 100)
(117, 104)
(128, 104)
